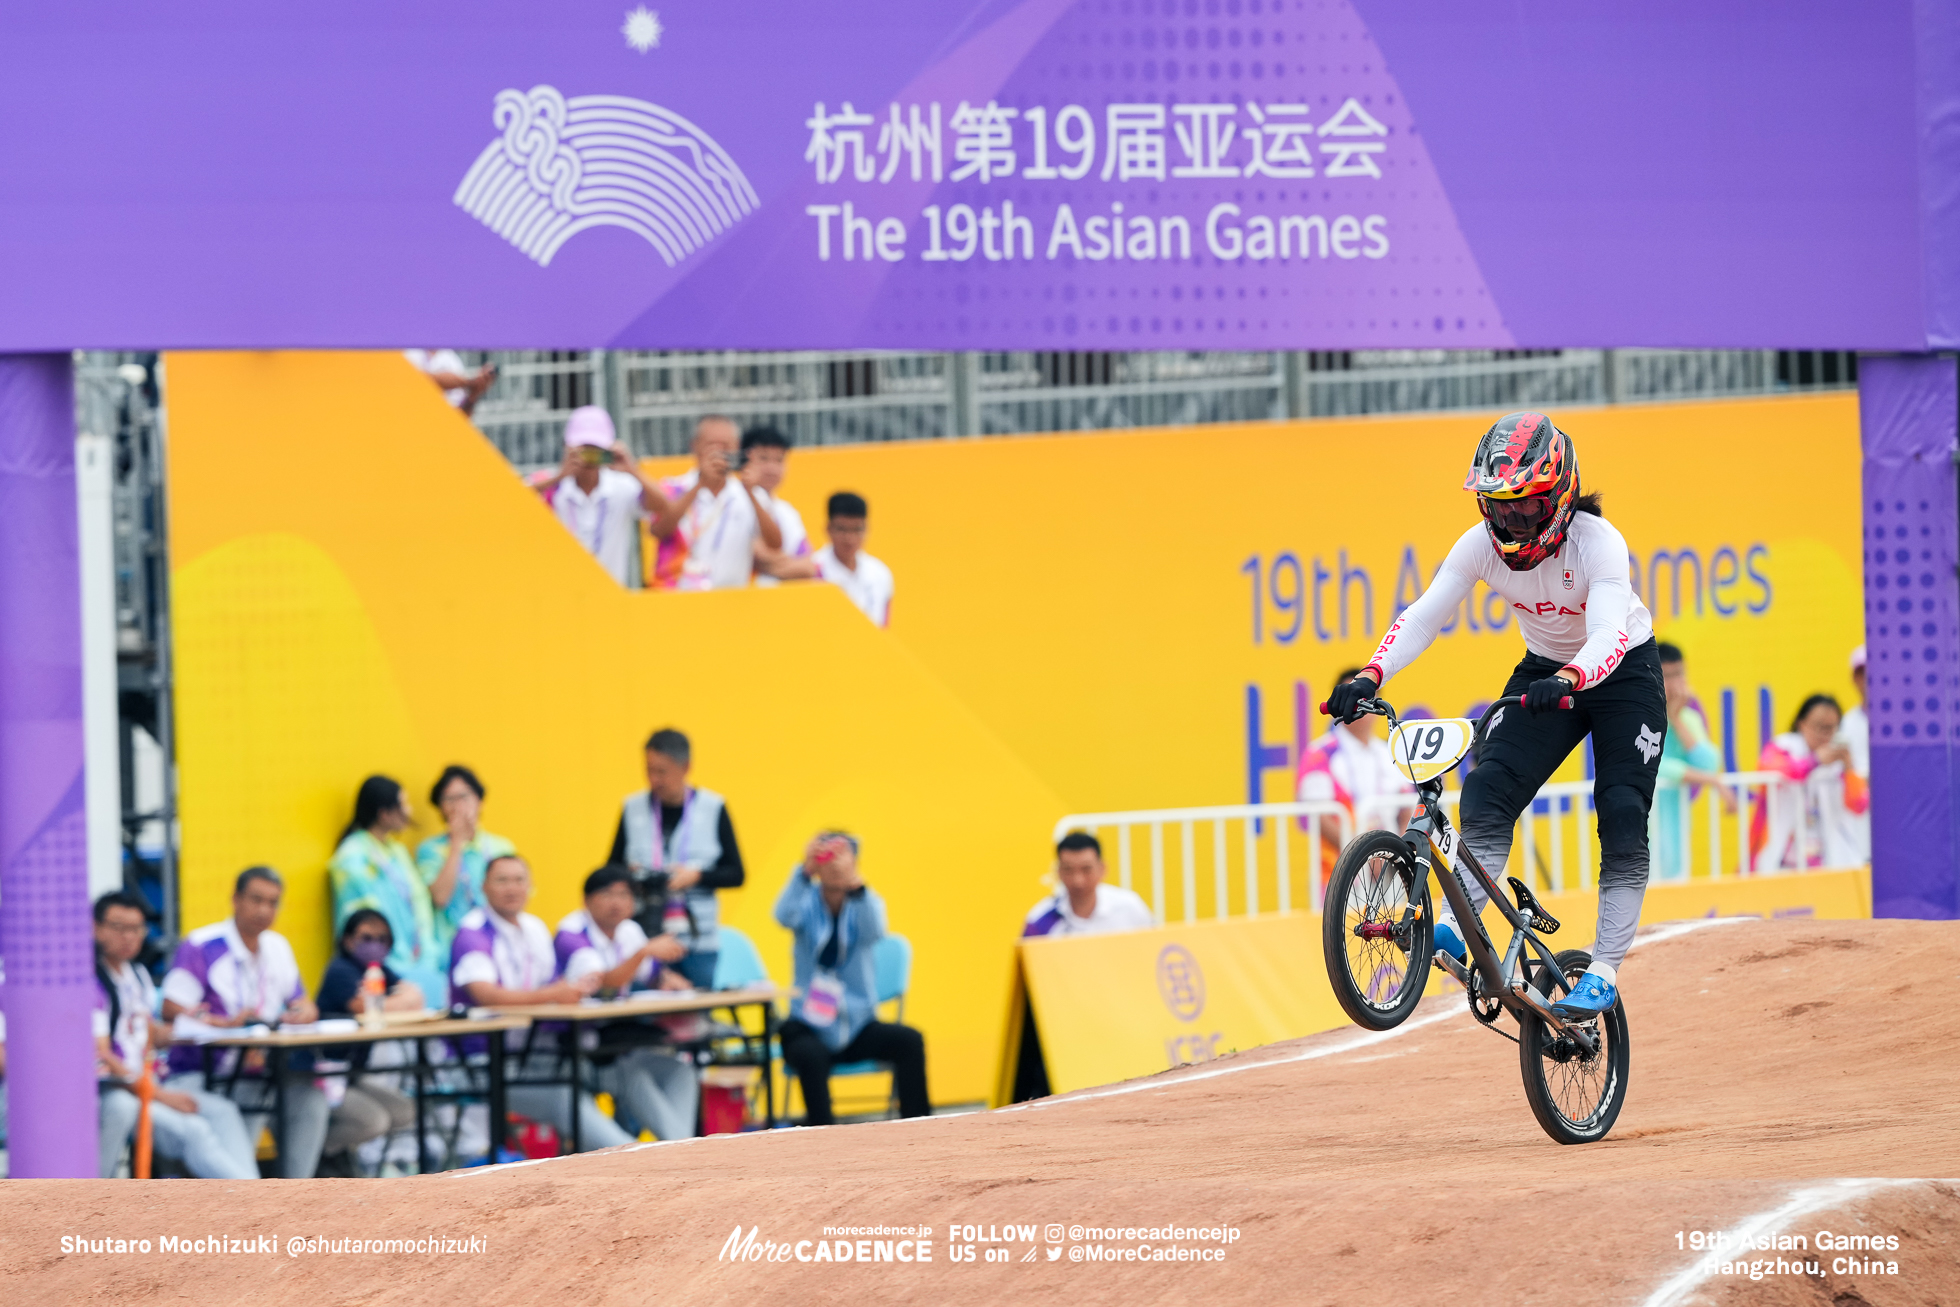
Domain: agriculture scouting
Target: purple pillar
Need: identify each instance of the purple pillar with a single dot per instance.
(1909, 409)
(45, 941)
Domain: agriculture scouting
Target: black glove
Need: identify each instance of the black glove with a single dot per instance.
(1544, 696)
(1341, 701)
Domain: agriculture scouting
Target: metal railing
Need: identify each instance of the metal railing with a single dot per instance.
(828, 398)
(1240, 860)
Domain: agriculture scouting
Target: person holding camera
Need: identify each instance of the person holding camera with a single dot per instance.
(837, 920)
(601, 495)
(680, 845)
(710, 520)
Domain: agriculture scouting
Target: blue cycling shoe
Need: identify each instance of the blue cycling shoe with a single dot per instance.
(1448, 941)
(1590, 997)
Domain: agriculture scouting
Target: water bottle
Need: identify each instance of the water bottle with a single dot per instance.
(374, 992)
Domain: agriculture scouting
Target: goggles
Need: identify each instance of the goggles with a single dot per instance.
(1521, 519)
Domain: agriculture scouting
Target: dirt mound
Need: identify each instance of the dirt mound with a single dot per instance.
(1772, 1063)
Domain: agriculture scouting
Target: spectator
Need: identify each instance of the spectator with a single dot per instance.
(845, 565)
(369, 1109)
(710, 523)
(1688, 761)
(766, 450)
(837, 920)
(1809, 820)
(241, 972)
(205, 1130)
(1354, 767)
(452, 376)
(1855, 734)
(680, 840)
(600, 494)
(372, 869)
(503, 957)
(1083, 905)
(451, 864)
(659, 1089)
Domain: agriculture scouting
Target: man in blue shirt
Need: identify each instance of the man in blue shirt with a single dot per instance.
(834, 1016)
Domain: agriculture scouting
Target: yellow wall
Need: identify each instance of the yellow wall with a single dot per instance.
(362, 585)
(1084, 595)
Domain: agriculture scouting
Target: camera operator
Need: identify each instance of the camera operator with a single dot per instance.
(681, 847)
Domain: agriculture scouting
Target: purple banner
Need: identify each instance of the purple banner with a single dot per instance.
(45, 945)
(1909, 408)
(1078, 174)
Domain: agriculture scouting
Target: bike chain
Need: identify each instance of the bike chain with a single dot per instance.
(1496, 1009)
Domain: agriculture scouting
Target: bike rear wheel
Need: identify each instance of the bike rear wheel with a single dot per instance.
(1575, 1095)
(1377, 951)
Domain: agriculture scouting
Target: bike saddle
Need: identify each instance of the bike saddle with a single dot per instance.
(1541, 921)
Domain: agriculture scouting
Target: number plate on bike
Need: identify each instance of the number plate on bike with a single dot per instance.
(1425, 750)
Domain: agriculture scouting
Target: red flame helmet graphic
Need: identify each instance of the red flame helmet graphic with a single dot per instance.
(1526, 478)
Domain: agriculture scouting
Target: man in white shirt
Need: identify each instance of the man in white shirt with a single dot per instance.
(844, 563)
(711, 521)
(459, 385)
(503, 956)
(1352, 766)
(600, 494)
(241, 972)
(765, 450)
(204, 1129)
(1082, 904)
(657, 1088)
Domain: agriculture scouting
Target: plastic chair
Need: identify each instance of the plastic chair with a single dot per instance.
(892, 960)
(738, 964)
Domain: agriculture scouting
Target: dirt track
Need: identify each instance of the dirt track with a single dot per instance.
(1768, 1058)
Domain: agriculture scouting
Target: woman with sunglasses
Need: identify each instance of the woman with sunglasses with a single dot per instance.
(1557, 563)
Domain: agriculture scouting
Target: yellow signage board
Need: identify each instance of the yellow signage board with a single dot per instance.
(1109, 1007)
(1113, 1007)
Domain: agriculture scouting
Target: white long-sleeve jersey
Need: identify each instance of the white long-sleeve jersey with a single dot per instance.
(1577, 608)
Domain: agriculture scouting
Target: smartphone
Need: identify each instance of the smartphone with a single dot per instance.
(593, 456)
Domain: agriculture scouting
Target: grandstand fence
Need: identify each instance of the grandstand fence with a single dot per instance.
(827, 398)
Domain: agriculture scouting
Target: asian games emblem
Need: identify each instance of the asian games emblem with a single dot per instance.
(562, 165)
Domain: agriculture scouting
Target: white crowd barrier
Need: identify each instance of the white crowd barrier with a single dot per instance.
(1194, 864)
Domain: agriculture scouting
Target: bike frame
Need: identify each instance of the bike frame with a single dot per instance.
(1435, 845)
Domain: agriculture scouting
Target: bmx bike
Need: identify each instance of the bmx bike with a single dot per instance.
(1377, 935)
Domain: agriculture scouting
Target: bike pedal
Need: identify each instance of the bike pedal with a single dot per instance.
(1451, 967)
(1541, 921)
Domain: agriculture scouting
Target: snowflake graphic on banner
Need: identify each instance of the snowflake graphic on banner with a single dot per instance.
(562, 166)
(642, 29)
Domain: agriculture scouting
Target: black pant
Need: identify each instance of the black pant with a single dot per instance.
(881, 1041)
(1626, 714)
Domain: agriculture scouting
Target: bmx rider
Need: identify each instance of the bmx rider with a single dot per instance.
(1562, 567)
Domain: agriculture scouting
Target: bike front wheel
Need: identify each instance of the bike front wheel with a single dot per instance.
(1375, 931)
(1575, 1095)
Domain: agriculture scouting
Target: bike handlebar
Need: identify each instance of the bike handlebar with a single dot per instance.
(1379, 707)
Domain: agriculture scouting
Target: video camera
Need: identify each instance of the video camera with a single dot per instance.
(650, 901)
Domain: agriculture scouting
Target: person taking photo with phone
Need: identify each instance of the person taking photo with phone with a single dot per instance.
(601, 495)
(710, 519)
(837, 920)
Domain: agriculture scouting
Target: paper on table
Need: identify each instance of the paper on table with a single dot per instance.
(190, 1028)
